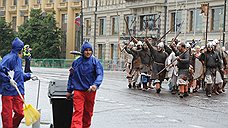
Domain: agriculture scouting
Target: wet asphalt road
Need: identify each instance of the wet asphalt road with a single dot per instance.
(119, 107)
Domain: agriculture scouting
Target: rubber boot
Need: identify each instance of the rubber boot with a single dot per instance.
(134, 86)
(144, 86)
(181, 95)
(208, 90)
(223, 86)
(220, 88)
(139, 86)
(129, 85)
(215, 90)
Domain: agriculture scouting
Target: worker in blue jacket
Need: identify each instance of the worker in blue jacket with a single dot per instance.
(12, 104)
(85, 78)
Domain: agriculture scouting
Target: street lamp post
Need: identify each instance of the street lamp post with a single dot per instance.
(220, 27)
(207, 23)
(95, 27)
(81, 22)
(205, 11)
(195, 19)
(224, 23)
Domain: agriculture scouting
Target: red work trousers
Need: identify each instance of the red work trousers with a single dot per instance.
(10, 105)
(83, 109)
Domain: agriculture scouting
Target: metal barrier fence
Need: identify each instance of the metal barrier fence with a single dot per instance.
(66, 63)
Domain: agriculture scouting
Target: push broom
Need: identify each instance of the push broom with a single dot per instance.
(30, 113)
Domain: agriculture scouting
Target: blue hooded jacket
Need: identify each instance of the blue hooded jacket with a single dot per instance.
(12, 62)
(85, 72)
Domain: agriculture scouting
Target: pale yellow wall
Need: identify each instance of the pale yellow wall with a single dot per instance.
(45, 6)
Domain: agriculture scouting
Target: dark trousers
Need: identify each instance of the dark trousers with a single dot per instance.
(27, 65)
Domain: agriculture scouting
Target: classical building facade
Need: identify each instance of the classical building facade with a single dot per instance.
(107, 23)
(17, 11)
(117, 20)
(149, 18)
(188, 12)
(105, 30)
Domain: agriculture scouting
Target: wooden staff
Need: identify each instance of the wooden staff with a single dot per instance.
(173, 40)
(169, 31)
(174, 60)
(131, 37)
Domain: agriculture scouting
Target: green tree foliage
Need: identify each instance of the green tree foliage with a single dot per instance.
(6, 37)
(41, 33)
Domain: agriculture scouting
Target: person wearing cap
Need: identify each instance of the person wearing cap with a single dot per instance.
(159, 56)
(27, 57)
(196, 82)
(86, 76)
(183, 64)
(172, 73)
(12, 104)
(136, 63)
(197, 51)
(213, 65)
(128, 64)
(147, 60)
(218, 49)
(225, 65)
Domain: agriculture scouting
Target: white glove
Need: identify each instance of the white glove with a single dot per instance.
(13, 83)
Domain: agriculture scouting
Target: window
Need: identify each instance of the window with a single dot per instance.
(148, 21)
(4, 3)
(114, 52)
(217, 19)
(64, 18)
(111, 51)
(99, 3)
(25, 18)
(26, 2)
(2, 13)
(172, 21)
(2, 18)
(38, 1)
(101, 53)
(14, 2)
(88, 3)
(115, 26)
(199, 21)
(175, 20)
(14, 22)
(88, 27)
(195, 24)
(102, 26)
(191, 21)
(64, 22)
(131, 20)
(51, 1)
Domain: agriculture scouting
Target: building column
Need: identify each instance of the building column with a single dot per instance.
(57, 15)
(43, 4)
(31, 3)
(70, 45)
(19, 15)
(7, 13)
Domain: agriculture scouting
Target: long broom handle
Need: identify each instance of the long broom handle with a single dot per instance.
(19, 93)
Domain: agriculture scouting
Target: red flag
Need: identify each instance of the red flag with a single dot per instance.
(77, 20)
